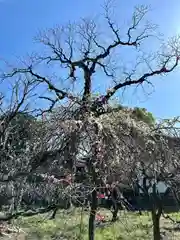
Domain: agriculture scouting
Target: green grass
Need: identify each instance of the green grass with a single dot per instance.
(73, 226)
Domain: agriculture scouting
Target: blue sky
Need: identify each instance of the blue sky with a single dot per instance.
(21, 19)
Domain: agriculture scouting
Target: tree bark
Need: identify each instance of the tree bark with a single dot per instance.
(92, 215)
(156, 213)
(156, 225)
(53, 214)
(115, 210)
(115, 213)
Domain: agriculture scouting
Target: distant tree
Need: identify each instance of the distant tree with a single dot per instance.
(143, 115)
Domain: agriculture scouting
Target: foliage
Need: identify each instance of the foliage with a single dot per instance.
(143, 115)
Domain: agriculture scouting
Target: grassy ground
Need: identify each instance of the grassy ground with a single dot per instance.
(73, 225)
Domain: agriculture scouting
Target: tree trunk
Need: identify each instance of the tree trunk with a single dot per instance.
(156, 213)
(53, 214)
(115, 210)
(92, 215)
(115, 197)
(156, 225)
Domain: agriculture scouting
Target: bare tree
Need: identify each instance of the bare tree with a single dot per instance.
(79, 51)
(157, 170)
(27, 144)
